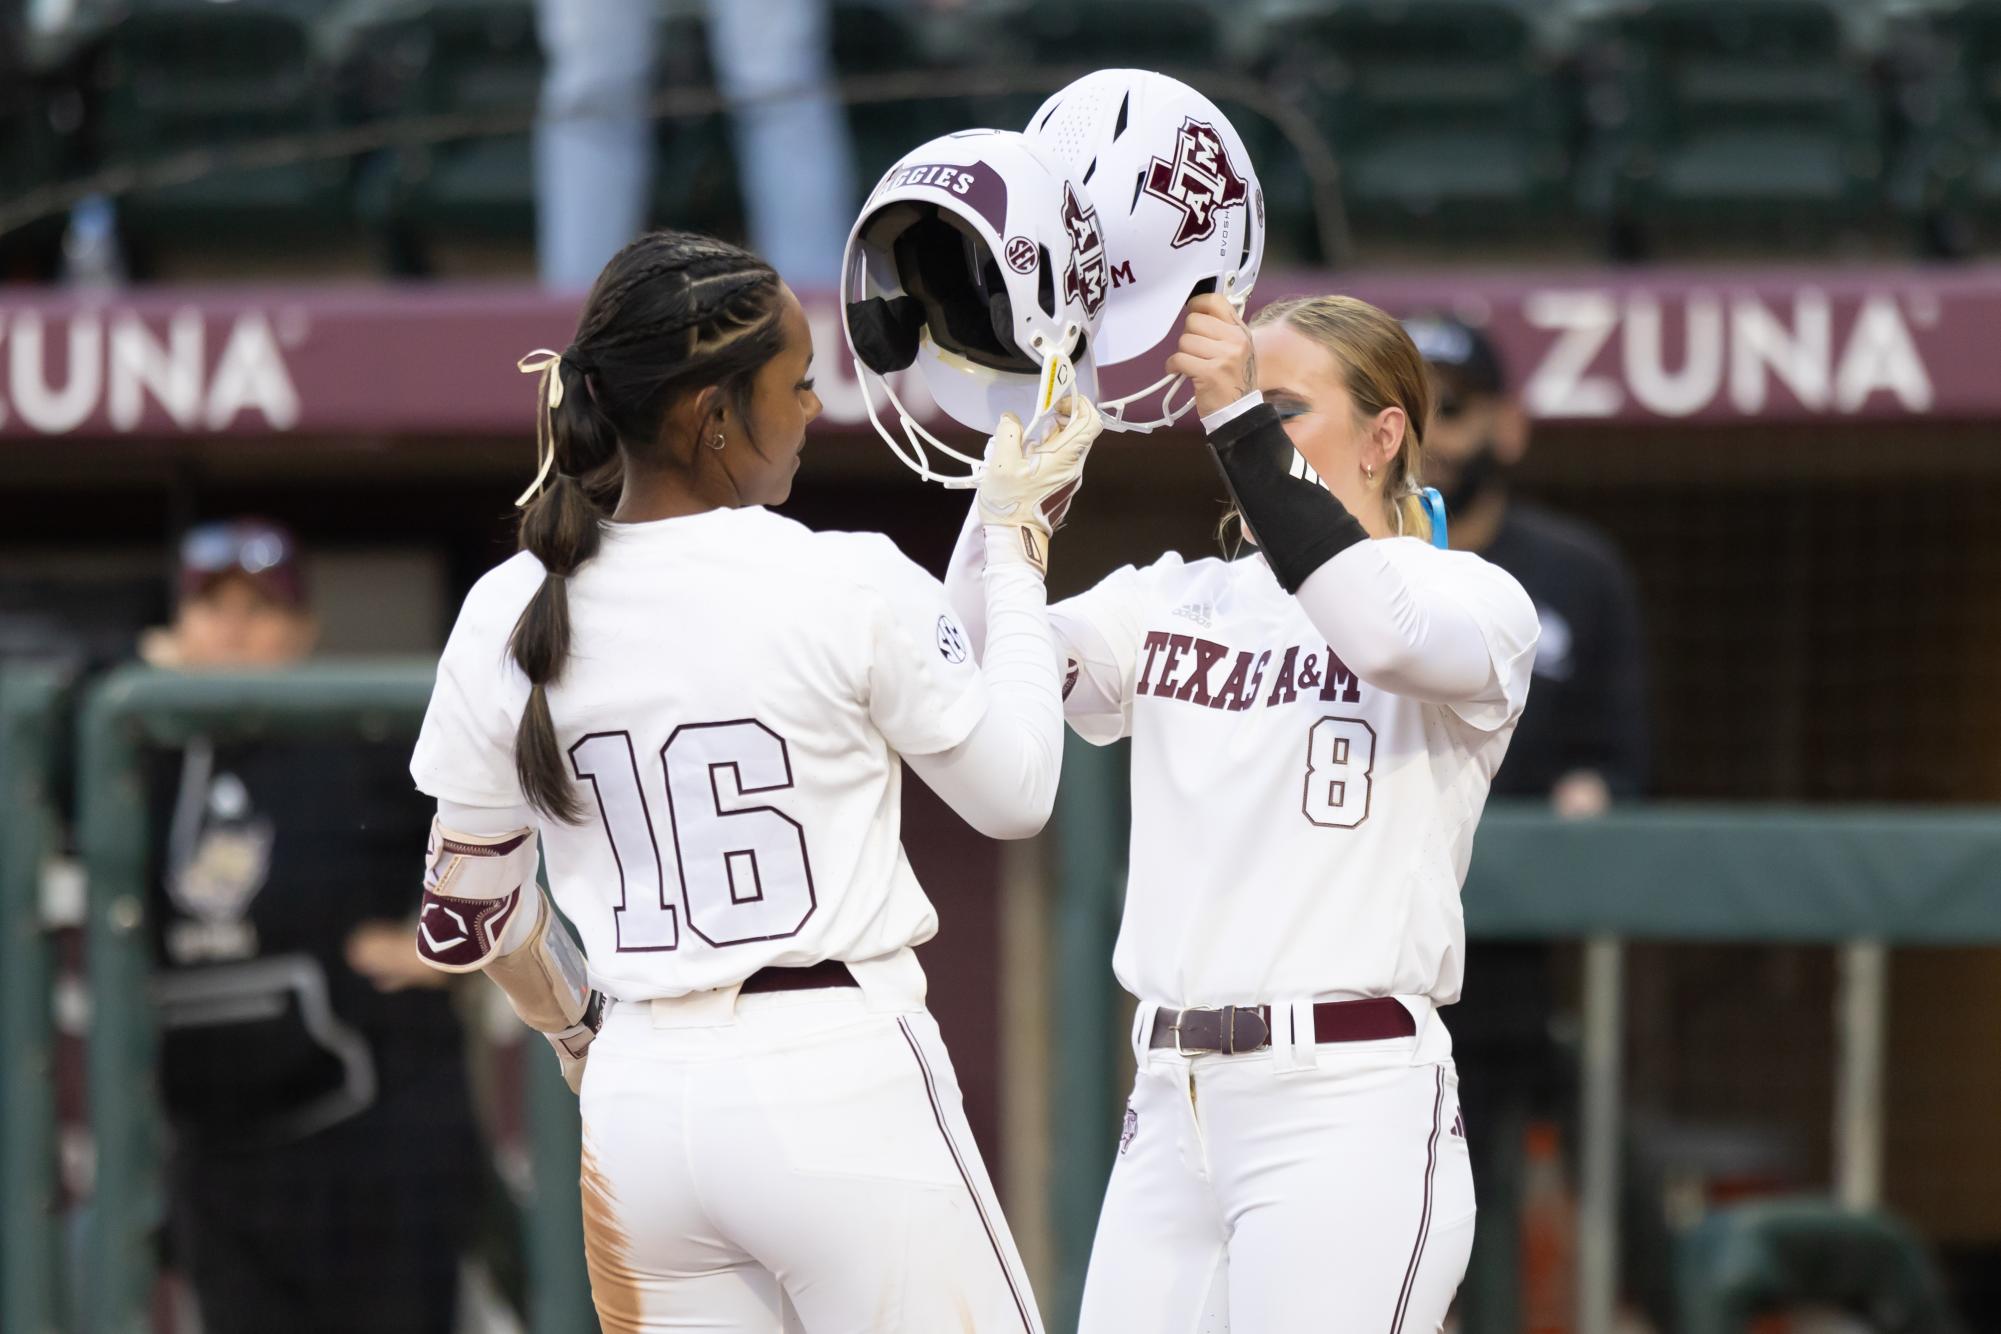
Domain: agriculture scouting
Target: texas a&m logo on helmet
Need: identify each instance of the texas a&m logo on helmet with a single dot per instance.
(1199, 180)
(1088, 274)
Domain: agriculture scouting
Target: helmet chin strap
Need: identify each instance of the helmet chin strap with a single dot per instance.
(1057, 382)
(909, 441)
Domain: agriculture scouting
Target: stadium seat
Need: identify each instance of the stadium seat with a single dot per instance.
(1948, 87)
(174, 76)
(1167, 35)
(28, 253)
(1293, 230)
(1444, 113)
(21, 144)
(1759, 1259)
(874, 40)
(451, 57)
(41, 119)
(694, 179)
(1726, 115)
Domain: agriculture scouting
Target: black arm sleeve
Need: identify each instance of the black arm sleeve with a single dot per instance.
(1299, 525)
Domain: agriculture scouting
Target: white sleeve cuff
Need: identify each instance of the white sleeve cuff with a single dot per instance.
(1215, 421)
(1003, 543)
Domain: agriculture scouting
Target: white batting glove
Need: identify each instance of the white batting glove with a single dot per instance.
(1029, 487)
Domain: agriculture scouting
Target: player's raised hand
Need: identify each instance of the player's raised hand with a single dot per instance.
(1028, 485)
(1215, 353)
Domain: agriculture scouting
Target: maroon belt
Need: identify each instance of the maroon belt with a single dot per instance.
(1241, 1028)
(826, 973)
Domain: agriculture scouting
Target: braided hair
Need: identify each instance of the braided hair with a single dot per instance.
(672, 314)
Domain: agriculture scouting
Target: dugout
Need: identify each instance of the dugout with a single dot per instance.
(1795, 462)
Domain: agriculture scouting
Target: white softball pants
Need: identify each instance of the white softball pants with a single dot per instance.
(1328, 1198)
(788, 1161)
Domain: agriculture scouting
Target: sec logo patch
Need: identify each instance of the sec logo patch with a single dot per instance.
(951, 640)
(1021, 254)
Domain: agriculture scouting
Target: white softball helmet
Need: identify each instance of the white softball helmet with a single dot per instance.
(1182, 211)
(981, 263)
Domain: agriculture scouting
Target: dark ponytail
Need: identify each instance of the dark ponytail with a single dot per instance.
(672, 313)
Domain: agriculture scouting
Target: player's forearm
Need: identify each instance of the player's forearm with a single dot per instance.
(1395, 635)
(1300, 524)
(483, 912)
(1002, 778)
(1405, 638)
(965, 581)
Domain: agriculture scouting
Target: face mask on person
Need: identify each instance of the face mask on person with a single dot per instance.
(1479, 474)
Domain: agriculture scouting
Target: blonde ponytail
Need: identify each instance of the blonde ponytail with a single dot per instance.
(1412, 519)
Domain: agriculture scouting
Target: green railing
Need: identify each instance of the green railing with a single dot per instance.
(1091, 831)
(136, 708)
(1771, 874)
(33, 723)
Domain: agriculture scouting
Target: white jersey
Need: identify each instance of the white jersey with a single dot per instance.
(736, 696)
(1295, 832)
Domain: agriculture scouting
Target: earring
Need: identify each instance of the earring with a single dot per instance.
(717, 443)
(1368, 473)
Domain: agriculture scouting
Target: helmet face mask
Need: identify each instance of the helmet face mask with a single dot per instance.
(1183, 214)
(1161, 403)
(978, 263)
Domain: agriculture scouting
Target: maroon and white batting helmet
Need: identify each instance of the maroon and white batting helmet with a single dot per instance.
(1182, 211)
(979, 261)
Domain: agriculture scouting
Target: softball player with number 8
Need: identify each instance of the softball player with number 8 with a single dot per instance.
(1314, 727)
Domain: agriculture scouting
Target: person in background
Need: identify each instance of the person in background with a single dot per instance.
(323, 1143)
(1582, 744)
(594, 143)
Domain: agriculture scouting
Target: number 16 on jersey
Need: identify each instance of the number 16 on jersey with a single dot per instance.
(739, 871)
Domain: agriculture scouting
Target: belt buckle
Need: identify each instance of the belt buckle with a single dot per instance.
(1175, 1028)
(1226, 1043)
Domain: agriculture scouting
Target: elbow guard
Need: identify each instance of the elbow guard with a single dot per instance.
(483, 912)
(474, 885)
(1299, 524)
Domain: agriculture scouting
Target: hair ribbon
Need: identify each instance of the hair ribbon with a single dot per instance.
(549, 390)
